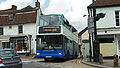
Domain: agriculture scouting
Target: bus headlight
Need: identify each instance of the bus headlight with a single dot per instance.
(59, 53)
(38, 53)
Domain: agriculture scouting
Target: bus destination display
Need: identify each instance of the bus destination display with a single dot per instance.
(55, 29)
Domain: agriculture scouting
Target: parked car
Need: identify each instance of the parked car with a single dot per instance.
(9, 59)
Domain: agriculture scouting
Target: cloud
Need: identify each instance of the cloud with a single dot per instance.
(73, 10)
(19, 3)
(42, 2)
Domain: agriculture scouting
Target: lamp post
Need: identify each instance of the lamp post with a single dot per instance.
(96, 49)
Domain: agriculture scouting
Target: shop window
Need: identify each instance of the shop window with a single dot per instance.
(1, 30)
(20, 29)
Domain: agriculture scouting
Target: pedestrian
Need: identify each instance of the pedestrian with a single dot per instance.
(11, 45)
(26, 48)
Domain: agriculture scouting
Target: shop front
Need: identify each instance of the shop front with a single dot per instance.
(19, 43)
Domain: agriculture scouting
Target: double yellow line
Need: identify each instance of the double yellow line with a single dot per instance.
(83, 65)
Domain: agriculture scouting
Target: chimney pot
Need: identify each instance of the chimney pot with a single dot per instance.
(37, 4)
(14, 7)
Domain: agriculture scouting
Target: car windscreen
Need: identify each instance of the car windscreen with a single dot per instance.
(6, 53)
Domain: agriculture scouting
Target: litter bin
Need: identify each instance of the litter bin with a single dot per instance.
(100, 58)
(116, 60)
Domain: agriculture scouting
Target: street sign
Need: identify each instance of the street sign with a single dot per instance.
(90, 25)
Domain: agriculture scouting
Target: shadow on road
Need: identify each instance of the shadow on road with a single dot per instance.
(54, 61)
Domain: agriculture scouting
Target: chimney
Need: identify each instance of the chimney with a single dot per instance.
(37, 4)
(14, 7)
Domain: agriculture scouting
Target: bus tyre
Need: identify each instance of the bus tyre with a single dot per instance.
(68, 55)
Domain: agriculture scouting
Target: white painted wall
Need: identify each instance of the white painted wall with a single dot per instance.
(109, 19)
(31, 29)
(13, 31)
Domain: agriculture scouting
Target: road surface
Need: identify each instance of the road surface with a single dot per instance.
(75, 63)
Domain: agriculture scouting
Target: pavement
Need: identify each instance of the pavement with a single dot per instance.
(107, 63)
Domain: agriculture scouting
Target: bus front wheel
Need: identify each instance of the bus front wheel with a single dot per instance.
(68, 55)
(46, 59)
(76, 55)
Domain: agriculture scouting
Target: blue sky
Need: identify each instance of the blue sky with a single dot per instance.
(2, 0)
(73, 10)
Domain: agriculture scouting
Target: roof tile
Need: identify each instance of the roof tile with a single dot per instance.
(107, 2)
(23, 16)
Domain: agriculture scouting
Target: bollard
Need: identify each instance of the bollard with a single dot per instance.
(115, 60)
(100, 58)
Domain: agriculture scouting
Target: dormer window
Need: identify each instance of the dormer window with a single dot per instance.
(11, 17)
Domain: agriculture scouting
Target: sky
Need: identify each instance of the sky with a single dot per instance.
(73, 10)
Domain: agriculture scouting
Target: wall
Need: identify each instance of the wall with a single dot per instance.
(31, 29)
(85, 36)
(12, 31)
(109, 19)
(85, 51)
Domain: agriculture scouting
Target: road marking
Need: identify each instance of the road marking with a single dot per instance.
(83, 65)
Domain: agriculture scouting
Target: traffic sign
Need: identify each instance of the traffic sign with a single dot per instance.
(90, 25)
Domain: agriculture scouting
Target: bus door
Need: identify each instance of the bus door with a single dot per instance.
(65, 45)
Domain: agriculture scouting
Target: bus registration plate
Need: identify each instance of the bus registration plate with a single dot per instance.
(48, 56)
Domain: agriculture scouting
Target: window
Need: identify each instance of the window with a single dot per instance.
(50, 20)
(7, 53)
(119, 44)
(11, 17)
(10, 27)
(49, 42)
(117, 18)
(20, 29)
(1, 30)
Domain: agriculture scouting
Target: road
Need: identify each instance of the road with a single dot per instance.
(75, 63)
(35, 65)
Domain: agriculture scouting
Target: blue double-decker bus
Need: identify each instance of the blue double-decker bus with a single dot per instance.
(56, 38)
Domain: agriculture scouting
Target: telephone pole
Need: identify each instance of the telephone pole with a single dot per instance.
(96, 48)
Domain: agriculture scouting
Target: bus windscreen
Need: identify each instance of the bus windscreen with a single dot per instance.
(49, 42)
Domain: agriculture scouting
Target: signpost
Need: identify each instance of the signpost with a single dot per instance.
(90, 25)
